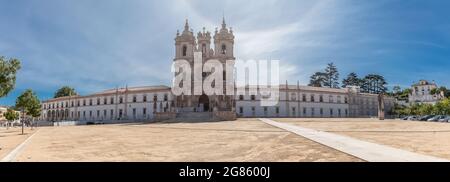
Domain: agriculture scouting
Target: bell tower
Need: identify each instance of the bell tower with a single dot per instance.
(224, 42)
(204, 43)
(185, 44)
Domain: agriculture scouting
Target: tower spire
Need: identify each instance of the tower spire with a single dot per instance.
(224, 25)
(186, 25)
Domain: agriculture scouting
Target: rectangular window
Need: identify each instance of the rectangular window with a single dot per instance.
(321, 98)
(304, 111)
(144, 111)
(253, 97)
(98, 113)
(112, 113)
(312, 111)
(105, 101)
(121, 100)
(112, 100)
(104, 113)
(304, 97)
(134, 99)
(90, 102)
(321, 111)
(331, 112)
(145, 98)
(241, 97)
(166, 97)
(277, 110)
(312, 98)
(241, 110)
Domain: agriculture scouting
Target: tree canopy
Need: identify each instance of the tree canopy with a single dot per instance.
(8, 71)
(29, 103)
(317, 79)
(11, 115)
(328, 78)
(351, 80)
(65, 91)
(374, 84)
(440, 108)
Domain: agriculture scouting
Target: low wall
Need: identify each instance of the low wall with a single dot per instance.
(161, 116)
(224, 115)
(68, 123)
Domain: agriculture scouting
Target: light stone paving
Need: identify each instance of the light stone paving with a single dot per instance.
(364, 150)
(12, 155)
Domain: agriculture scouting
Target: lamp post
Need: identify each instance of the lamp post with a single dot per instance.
(23, 118)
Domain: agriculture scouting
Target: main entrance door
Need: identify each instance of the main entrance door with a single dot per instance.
(204, 101)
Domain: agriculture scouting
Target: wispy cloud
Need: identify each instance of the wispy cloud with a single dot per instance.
(96, 45)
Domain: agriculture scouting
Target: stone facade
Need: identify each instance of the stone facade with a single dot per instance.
(421, 93)
(185, 46)
(152, 103)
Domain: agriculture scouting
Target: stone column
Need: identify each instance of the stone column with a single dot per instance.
(381, 106)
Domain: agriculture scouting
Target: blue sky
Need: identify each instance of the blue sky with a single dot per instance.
(102, 44)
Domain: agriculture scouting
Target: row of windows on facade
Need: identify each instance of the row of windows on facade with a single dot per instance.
(304, 98)
(416, 89)
(66, 114)
(105, 102)
(293, 110)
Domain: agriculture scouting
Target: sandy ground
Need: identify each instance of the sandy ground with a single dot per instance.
(429, 138)
(242, 140)
(11, 138)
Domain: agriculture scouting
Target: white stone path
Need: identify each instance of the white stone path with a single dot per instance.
(14, 153)
(364, 150)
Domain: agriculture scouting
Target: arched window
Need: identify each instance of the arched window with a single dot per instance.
(204, 49)
(224, 49)
(184, 50)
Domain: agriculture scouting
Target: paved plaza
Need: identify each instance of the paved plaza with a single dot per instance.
(241, 140)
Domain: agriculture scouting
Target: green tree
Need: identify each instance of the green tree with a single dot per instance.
(426, 109)
(445, 91)
(374, 84)
(10, 115)
(28, 103)
(317, 79)
(434, 91)
(8, 70)
(64, 92)
(331, 76)
(351, 80)
(396, 89)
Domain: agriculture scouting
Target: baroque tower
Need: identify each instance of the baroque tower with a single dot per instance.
(185, 46)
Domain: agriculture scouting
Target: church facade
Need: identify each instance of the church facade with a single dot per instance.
(150, 103)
